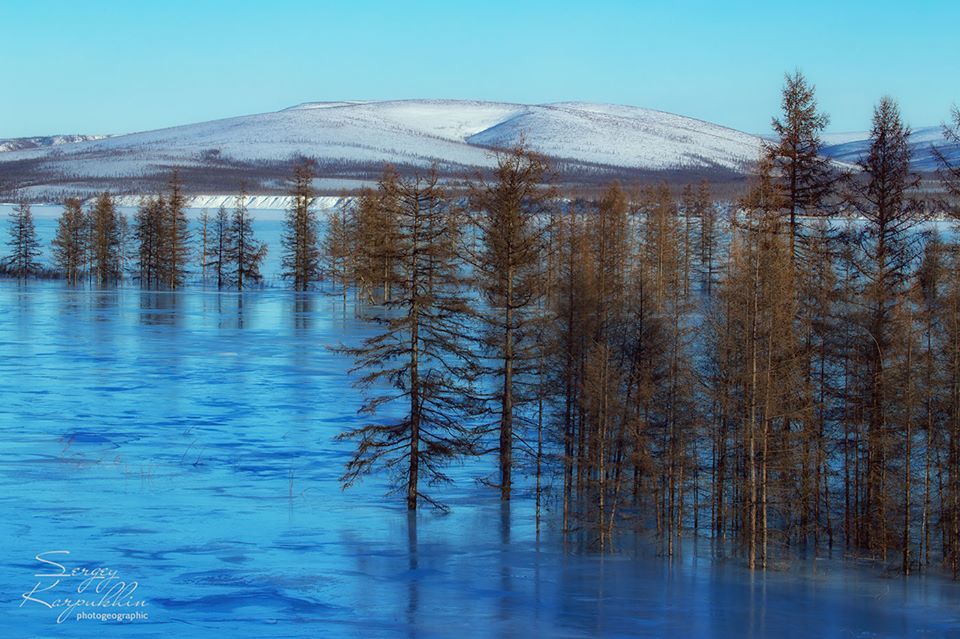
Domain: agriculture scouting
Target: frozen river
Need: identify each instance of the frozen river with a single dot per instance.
(185, 441)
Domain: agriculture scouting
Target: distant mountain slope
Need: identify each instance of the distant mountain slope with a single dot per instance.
(623, 136)
(19, 144)
(351, 139)
(850, 147)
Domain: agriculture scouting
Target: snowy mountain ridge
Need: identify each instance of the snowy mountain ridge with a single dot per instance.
(19, 144)
(850, 147)
(353, 139)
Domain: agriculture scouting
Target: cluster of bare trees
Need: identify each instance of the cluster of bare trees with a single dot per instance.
(437, 274)
(94, 245)
(831, 422)
(163, 234)
(97, 245)
(229, 253)
(89, 245)
(782, 373)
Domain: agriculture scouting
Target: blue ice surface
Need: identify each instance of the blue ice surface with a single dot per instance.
(186, 441)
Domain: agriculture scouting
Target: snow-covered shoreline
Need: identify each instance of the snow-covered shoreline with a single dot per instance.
(214, 201)
(264, 202)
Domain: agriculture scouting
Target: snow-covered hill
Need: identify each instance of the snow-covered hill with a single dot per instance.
(19, 144)
(456, 134)
(850, 147)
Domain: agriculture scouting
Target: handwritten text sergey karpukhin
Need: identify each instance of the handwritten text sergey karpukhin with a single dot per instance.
(83, 592)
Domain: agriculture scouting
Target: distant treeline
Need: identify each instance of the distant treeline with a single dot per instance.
(779, 374)
(100, 246)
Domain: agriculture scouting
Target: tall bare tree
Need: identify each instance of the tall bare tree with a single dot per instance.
(218, 255)
(886, 248)
(69, 244)
(24, 246)
(803, 175)
(509, 213)
(149, 225)
(301, 257)
(246, 253)
(372, 236)
(420, 352)
(205, 244)
(105, 248)
(175, 235)
(950, 167)
(341, 247)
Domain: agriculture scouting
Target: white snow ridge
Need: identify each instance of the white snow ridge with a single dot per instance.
(454, 133)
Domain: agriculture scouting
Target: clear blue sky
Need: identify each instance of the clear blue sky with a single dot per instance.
(90, 66)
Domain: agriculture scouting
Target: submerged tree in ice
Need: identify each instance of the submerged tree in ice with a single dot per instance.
(245, 252)
(883, 255)
(175, 236)
(509, 212)
(105, 242)
(301, 253)
(341, 247)
(374, 232)
(420, 352)
(24, 246)
(70, 242)
(148, 230)
(217, 260)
